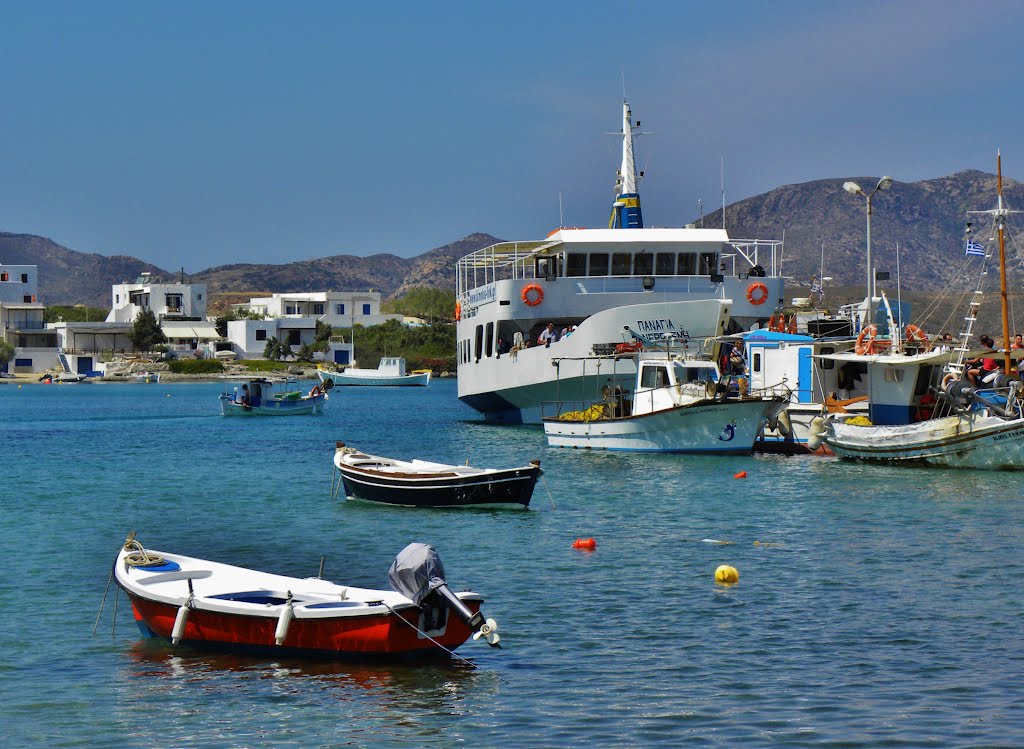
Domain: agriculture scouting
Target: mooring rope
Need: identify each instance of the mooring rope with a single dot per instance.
(139, 557)
(450, 652)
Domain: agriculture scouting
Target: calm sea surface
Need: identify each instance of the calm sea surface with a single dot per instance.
(876, 607)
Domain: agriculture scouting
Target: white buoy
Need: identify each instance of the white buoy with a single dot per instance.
(784, 424)
(178, 630)
(283, 621)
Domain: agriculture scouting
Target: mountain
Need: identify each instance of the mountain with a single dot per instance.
(926, 218)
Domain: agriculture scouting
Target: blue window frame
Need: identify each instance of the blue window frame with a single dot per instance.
(366, 309)
(340, 309)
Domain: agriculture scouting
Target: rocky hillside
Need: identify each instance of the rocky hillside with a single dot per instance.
(926, 218)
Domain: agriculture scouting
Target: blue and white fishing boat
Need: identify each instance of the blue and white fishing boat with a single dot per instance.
(971, 419)
(676, 404)
(390, 372)
(263, 397)
(590, 284)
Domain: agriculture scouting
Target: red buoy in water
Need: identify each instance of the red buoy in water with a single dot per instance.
(740, 475)
(584, 543)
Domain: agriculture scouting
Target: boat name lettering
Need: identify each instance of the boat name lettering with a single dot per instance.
(658, 329)
(483, 294)
(1008, 435)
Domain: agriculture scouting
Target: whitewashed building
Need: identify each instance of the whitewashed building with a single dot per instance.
(249, 338)
(339, 309)
(19, 284)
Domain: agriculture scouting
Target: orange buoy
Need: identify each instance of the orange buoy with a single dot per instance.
(740, 475)
(584, 543)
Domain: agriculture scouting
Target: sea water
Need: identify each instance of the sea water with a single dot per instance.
(876, 606)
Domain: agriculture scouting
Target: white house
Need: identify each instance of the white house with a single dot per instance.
(173, 301)
(339, 309)
(19, 284)
(249, 338)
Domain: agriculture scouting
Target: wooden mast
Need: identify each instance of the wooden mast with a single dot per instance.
(1000, 221)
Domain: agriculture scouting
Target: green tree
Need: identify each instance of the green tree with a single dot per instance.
(146, 331)
(272, 351)
(6, 352)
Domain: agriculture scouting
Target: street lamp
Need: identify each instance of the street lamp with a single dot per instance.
(854, 189)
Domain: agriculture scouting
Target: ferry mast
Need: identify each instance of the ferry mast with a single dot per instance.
(626, 212)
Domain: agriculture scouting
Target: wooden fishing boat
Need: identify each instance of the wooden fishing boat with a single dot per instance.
(419, 483)
(262, 397)
(975, 422)
(189, 601)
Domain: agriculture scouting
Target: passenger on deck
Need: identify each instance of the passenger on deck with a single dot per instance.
(548, 335)
(982, 369)
(502, 347)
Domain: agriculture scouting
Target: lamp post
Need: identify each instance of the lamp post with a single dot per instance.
(854, 189)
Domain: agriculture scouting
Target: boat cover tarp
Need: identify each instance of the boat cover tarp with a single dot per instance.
(416, 572)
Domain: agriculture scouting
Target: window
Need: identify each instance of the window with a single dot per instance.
(687, 264)
(173, 302)
(621, 263)
(23, 362)
(117, 298)
(366, 309)
(293, 338)
(756, 366)
(599, 264)
(289, 309)
(827, 363)
(489, 344)
(893, 375)
(643, 264)
(478, 342)
(708, 264)
(576, 264)
(199, 297)
(318, 309)
(261, 334)
(4, 277)
(24, 277)
(339, 309)
(654, 377)
(27, 299)
(665, 264)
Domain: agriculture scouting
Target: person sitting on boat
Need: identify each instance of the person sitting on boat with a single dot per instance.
(243, 396)
(982, 369)
(502, 347)
(737, 364)
(548, 335)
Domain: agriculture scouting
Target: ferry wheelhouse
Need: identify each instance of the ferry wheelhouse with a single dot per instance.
(594, 286)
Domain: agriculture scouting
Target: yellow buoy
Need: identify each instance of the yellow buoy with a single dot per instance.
(726, 575)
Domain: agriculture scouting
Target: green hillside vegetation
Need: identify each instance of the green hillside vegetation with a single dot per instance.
(77, 313)
(426, 303)
(424, 347)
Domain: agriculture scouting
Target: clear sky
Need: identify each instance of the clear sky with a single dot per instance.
(193, 134)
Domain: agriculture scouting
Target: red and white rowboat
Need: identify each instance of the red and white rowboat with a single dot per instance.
(197, 602)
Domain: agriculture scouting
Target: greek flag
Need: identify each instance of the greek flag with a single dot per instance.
(973, 248)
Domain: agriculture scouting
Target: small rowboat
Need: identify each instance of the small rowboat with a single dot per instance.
(419, 483)
(190, 601)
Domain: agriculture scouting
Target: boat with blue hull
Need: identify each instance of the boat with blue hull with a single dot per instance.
(263, 397)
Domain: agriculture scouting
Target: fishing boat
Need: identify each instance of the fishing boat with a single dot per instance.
(973, 421)
(420, 483)
(146, 377)
(195, 602)
(590, 284)
(264, 397)
(676, 404)
(390, 372)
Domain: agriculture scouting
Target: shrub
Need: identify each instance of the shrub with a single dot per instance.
(196, 366)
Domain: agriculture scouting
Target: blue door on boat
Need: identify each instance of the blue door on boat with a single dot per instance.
(806, 393)
(84, 365)
(341, 356)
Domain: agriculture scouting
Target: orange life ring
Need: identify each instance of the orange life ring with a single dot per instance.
(458, 310)
(757, 286)
(532, 301)
(314, 391)
(869, 332)
(918, 336)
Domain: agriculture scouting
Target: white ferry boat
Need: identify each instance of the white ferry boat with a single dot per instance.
(592, 285)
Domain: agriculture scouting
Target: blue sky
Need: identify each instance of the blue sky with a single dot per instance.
(194, 134)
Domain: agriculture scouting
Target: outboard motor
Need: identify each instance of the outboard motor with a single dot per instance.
(417, 573)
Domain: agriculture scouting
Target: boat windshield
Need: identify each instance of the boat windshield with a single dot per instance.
(694, 373)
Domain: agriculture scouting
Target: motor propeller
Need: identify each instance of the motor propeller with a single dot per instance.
(489, 630)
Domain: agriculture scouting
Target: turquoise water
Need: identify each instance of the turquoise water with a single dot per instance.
(878, 607)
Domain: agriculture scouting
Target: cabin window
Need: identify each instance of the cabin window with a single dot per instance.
(665, 264)
(687, 264)
(489, 344)
(576, 264)
(756, 366)
(366, 309)
(261, 334)
(708, 264)
(827, 363)
(643, 264)
(654, 377)
(893, 375)
(621, 263)
(599, 264)
(478, 343)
